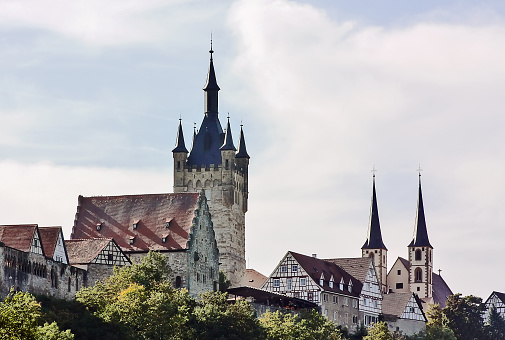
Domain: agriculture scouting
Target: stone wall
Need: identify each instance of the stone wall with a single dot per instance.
(226, 192)
(39, 275)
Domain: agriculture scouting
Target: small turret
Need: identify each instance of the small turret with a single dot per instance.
(211, 88)
(180, 154)
(242, 166)
(242, 151)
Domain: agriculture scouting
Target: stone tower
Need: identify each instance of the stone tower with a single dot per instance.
(421, 255)
(217, 167)
(374, 246)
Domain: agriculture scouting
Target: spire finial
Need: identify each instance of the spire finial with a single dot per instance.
(419, 170)
(211, 50)
(373, 170)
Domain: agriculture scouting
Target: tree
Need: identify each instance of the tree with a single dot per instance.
(217, 319)
(495, 326)
(224, 283)
(19, 320)
(437, 329)
(140, 301)
(379, 331)
(464, 316)
(305, 325)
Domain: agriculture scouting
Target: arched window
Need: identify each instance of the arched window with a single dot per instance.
(207, 184)
(190, 185)
(198, 184)
(418, 254)
(178, 282)
(418, 275)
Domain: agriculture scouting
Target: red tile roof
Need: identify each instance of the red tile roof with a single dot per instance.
(116, 214)
(49, 238)
(85, 251)
(253, 278)
(315, 267)
(19, 237)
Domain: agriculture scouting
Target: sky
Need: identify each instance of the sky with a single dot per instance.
(91, 94)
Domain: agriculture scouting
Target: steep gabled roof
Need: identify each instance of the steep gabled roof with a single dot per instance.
(356, 266)
(374, 237)
(499, 295)
(420, 238)
(253, 278)
(316, 267)
(441, 290)
(85, 251)
(116, 215)
(19, 236)
(49, 237)
(394, 303)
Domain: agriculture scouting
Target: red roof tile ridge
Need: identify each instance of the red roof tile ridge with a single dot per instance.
(90, 239)
(144, 195)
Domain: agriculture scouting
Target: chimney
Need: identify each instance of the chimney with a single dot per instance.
(314, 256)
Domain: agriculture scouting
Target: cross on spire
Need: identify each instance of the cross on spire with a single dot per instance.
(211, 50)
(373, 170)
(419, 170)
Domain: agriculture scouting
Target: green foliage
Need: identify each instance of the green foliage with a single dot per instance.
(306, 325)
(140, 302)
(495, 326)
(379, 331)
(20, 314)
(224, 283)
(359, 333)
(464, 317)
(216, 319)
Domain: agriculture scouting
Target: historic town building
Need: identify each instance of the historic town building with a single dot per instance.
(335, 291)
(97, 256)
(403, 312)
(497, 300)
(214, 165)
(370, 296)
(177, 225)
(28, 267)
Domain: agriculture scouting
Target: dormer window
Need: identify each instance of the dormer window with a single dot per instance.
(341, 286)
(136, 224)
(321, 280)
(132, 239)
(167, 223)
(99, 226)
(164, 238)
(350, 286)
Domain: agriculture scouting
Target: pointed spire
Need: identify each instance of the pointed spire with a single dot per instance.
(211, 83)
(179, 144)
(420, 238)
(228, 139)
(374, 237)
(242, 151)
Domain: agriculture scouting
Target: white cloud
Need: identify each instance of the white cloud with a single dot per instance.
(339, 97)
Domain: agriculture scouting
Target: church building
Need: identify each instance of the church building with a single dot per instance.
(214, 165)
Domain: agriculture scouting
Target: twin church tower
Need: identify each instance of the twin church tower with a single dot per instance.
(418, 276)
(216, 166)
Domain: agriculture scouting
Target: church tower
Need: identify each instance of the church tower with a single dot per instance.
(421, 255)
(374, 246)
(217, 167)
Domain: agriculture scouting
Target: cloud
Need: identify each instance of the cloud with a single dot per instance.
(338, 97)
(111, 23)
(46, 194)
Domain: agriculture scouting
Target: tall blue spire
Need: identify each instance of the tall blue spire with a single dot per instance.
(374, 237)
(242, 151)
(179, 144)
(228, 139)
(420, 238)
(211, 88)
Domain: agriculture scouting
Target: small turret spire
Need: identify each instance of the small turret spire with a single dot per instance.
(242, 150)
(228, 139)
(374, 237)
(179, 144)
(420, 238)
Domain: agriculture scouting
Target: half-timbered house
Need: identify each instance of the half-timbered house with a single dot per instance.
(28, 268)
(53, 243)
(403, 313)
(334, 290)
(496, 299)
(370, 296)
(177, 225)
(97, 256)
